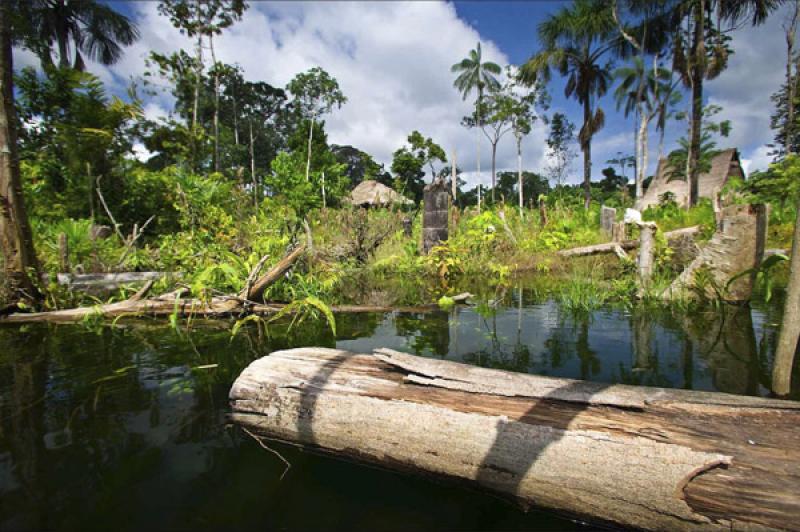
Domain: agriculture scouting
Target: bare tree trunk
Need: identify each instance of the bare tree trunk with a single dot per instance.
(586, 147)
(21, 265)
(519, 175)
(645, 155)
(790, 80)
(642, 131)
(790, 325)
(216, 103)
(308, 158)
(696, 74)
(253, 167)
(494, 177)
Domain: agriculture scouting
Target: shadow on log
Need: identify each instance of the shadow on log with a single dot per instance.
(642, 457)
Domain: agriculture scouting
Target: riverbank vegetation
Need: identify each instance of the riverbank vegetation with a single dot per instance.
(241, 171)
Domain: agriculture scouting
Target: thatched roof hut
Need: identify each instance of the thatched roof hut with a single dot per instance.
(724, 165)
(373, 194)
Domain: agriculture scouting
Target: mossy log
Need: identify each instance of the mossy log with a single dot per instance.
(633, 456)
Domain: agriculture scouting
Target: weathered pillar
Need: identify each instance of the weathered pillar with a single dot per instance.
(738, 245)
(647, 248)
(618, 232)
(608, 215)
(434, 218)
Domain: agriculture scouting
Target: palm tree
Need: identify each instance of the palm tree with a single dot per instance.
(16, 239)
(638, 90)
(700, 52)
(574, 42)
(79, 28)
(475, 74)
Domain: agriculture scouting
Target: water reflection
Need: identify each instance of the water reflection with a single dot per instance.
(125, 427)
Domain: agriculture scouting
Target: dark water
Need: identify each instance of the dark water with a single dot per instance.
(124, 427)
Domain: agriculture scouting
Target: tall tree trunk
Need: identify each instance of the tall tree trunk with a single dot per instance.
(643, 142)
(198, 74)
(253, 166)
(790, 80)
(15, 234)
(586, 147)
(790, 324)
(696, 74)
(519, 174)
(216, 102)
(494, 178)
(640, 155)
(478, 143)
(310, 136)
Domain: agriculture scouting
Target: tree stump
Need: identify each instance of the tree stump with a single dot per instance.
(737, 246)
(647, 248)
(434, 218)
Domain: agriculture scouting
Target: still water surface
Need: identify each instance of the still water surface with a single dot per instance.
(124, 427)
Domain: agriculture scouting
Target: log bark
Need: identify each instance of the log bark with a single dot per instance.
(611, 247)
(646, 259)
(633, 456)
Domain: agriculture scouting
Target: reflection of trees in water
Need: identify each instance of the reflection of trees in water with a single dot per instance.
(429, 333)
(86, 415)
(726, 341)
(570, 338)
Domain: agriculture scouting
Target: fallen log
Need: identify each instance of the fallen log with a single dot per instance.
(217, 307)
(109, 281)
(650, 458)
(613, 247)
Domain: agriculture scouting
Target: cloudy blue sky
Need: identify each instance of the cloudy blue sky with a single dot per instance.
(393, 61)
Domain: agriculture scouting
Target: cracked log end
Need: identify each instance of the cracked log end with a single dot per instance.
(644, 457)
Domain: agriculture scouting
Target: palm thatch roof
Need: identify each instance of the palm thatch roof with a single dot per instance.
(724, 165)
(371, 193)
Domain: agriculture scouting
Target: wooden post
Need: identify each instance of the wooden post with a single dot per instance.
(63, 253)
(647, 248)
(435, 216)
(618, 232)
(608, 216)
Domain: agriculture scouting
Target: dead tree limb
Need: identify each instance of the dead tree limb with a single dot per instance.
(611, 247)
(255, 291)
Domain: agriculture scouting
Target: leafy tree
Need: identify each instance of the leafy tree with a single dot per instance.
(203, 20)
(787, 139)
(409, 162)
(612, 182)
(559, 147)
(360, 166)
(19, 256)
(76, 29)
(533, 184)
(74, 135)
(700, 52)
(574, 41)
(475, 74)
(316, 93)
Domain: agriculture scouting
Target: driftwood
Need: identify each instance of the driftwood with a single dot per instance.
(611, 247)
(640, 457)
(255, 291)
